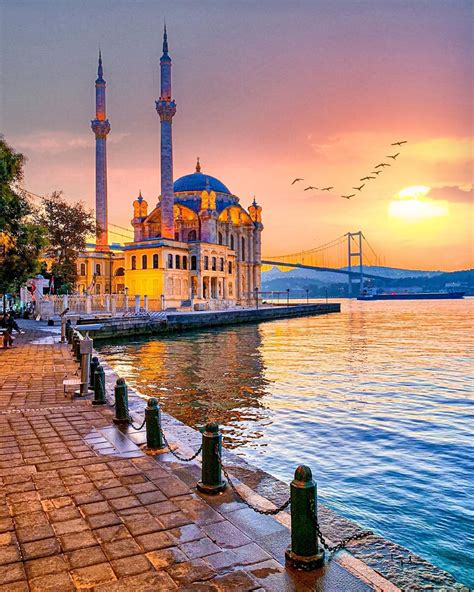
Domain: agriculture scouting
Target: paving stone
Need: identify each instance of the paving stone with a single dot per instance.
(111, 533)
(86, 557)
(122, 548)
(92, 576)
(42, 548)
(59, 582)
(80, 540)
(164, 557)
(12, 572)
(190, 571)
(237, 580)
(45, 566)
(77, 525)
(226, 535)
(145, 582)
(200, 548)
(9, 554)
(35, 533)
(130, 566)
(155, 540)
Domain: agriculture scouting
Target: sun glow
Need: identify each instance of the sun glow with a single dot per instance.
(413, 205)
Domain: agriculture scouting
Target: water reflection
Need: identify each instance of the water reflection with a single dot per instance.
(212, 375)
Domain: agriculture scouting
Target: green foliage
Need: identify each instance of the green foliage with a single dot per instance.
(21, 240)
(67, 227)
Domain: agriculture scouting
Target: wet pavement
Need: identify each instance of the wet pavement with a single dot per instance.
(82, 506)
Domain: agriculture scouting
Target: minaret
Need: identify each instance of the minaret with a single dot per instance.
(166, 109)
(101, 127)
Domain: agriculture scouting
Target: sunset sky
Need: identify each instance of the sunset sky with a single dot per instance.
(266, 91)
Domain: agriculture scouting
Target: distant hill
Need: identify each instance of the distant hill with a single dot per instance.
(318, 282)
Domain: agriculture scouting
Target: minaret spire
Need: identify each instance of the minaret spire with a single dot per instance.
(166, 109)
(101, 127)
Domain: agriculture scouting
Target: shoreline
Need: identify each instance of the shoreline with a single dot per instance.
(379, 562)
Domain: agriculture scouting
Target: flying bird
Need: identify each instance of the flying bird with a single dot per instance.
(326, 188)
(394, 156)
(366, 178)
(399, 143)
(359, 188)
(310, 187)
(348, 196)
(297, 180)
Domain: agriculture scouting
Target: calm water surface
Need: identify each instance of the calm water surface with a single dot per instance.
(376, 400)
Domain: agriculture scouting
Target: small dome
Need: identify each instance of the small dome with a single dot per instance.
(199, 182)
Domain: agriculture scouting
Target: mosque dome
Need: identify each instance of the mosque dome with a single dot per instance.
(199, 182)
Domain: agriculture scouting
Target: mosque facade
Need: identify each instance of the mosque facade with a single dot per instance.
(197, 246)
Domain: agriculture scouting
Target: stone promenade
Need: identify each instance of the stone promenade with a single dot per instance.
(83, 508)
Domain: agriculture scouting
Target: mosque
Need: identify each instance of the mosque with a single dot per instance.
(196, 247)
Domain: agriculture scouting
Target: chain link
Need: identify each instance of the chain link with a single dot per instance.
(134, 426)
(344, 542)
(182, 458)
(248, 504)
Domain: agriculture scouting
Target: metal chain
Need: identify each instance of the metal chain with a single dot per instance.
(235, 490)
(134, 426)
(182, 458)
(344, 542)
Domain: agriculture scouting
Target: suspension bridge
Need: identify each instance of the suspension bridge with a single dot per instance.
(347, 254)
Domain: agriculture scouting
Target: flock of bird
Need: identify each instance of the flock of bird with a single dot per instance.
(368, 177)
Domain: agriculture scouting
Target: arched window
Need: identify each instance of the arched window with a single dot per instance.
(134, 262)
(232, 242)
(170, 261)
(178, 262)
(213, 264)
(193, 262)
(192, 235)
(230, 266)
(242, 249)
(144, 262)
(221, 264)
(97, 269)
(206, 262)
(185, 262)
(83, 269)
(155, 261)
(219, 236)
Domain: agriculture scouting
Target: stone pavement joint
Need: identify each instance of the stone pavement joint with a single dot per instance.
(83, 508)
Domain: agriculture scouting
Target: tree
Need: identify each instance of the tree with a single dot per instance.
(67, 227)
(21, 240)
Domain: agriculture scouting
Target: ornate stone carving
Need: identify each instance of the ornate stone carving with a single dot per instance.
(100, 128)
(165, 109)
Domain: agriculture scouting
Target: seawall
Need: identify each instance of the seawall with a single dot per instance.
(168, 322)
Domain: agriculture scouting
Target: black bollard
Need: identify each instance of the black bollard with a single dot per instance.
(121, 402)
(99, 387)
(211, 481)
(94, 365)
(154, 440)
(304, 552)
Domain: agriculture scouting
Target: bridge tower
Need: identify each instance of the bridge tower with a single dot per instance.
(354, 251)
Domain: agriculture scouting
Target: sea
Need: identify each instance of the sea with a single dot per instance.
(377, 400)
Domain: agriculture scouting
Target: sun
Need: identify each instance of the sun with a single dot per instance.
(414, 205)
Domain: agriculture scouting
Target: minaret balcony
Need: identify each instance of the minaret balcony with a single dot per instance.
(165, 109)
(100, 127)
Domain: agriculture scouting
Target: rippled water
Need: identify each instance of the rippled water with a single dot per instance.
(376, 400)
